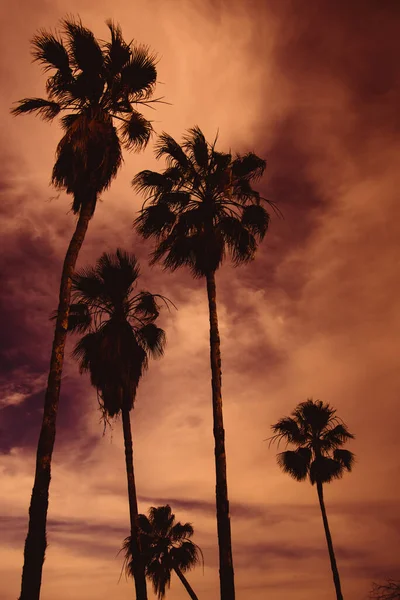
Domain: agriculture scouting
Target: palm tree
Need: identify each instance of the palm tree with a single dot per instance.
(95, 85)
(167, 547)
(119, 335)
(318, 435)
(201, 207)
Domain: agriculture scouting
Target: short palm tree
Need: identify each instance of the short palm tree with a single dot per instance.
(119, 335)
(167, 547)
(318, 435)
(95, 86)
(201, 207)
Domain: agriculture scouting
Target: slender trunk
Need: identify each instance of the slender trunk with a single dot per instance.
(138, 564)
(185, 582)
(334, 568)
(36, 543)
(227, 583)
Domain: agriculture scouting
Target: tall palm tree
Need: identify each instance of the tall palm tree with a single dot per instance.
(167, 547)
(318, 435)
(119, 335)
(201, 207)
(95, 86)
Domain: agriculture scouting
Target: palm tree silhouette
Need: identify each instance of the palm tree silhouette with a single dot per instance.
(167, 547)
(199, 208)
(96, 84)
(318, 435)
(119, 336)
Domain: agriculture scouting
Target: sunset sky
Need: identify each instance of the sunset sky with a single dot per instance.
(313, 87)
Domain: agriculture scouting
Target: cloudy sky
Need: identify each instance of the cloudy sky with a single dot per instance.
(312, 86)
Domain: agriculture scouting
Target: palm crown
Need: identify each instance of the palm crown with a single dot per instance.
(118, 326)
(96, 84)
(166, 546)
(319, 436)
(201, 205)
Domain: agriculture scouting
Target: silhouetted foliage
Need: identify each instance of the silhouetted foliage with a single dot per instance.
(119, 335)
(390, 590)
(318, 436)
(97, 87)
(201, 207)
(166, 546)
(118, 326)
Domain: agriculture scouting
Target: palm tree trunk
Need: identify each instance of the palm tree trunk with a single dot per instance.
(138, 564)
(226, 574)
(334, 568)
(185, 582)
(36, 543)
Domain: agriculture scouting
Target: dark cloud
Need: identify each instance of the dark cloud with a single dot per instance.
(20, 423)
(87, 539)
(331, 84)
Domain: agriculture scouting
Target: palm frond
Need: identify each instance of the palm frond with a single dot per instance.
(79, 318)
(244, 192)
(180, 531)
(160, 577)
(185, 556)
(136, 131)
(289, 430)
(344, 457)
(196, 146)
(325, 469)
(145, 306)
(153, 339)
(151, 183)
(161, 518)
(248, 166)
(139, 75)
(68, 121)
(200, 252)
(49, 50)
(118, 53)
(167, 147)
(178, 200)
(88, 157)
(47, 109)
(335, 437)
(240, 241)
(62, 87)
(315, 413)
(86, 352)
(174, 175)
(220, 162)
(256, 219)
(84, 49)
(155, 220)
(295, 462)
(87, 286)
(118, 272)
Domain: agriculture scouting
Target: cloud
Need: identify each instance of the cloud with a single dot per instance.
(316, 91)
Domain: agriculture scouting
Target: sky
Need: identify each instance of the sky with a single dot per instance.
(313, 87)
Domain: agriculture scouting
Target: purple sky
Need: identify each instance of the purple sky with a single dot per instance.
(314, 88)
